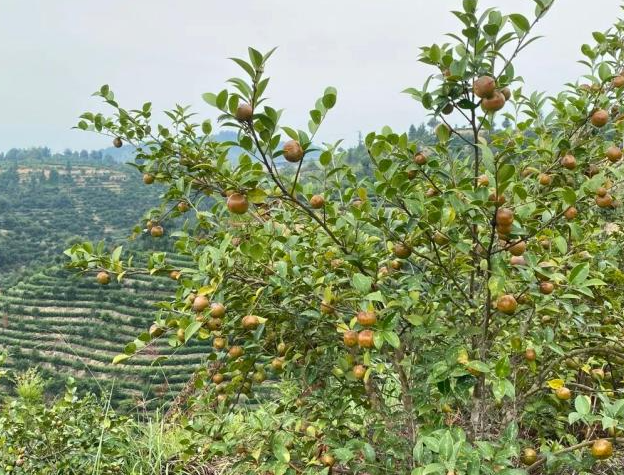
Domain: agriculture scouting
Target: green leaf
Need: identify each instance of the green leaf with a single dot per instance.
(582, 405)
(281, 452)
(392, 339)
(329, 100)
(362, 283)
(325, 158)
(120, 358)
(520, 22)
(579, 274)
(191, 330)
(604, 71)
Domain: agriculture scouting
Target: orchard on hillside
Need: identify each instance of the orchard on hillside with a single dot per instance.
(459, 311)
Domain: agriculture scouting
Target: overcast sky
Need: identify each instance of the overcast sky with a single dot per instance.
(54, 54)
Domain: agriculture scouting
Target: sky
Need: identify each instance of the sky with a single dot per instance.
(55, 54)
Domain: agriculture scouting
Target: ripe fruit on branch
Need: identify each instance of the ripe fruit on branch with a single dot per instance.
(402, 251)
(396, 264)
(506, 92)
(293, 152)
(618, 81)
(328, 460)
(183, 206)
(365, 339)
(563, 393)
(570, 213)
(546, 288)
(217, 310)
(156, 330)
(148, 178)
(157, 231)
(517, 261)
(529, 456)
(545, 179)
(350, 338)
(518, 248)
(236, 352)
(504, 216)
(214, 323)
(277, 364)
(180, 335)
(484, 87)
(600, 118)
(602, 191)
(367, 319)
(568, 161)
(117, 143)
(359, 371)
(614, 154)
(317, 201)
(604, 201)
(217, 378)
(431, 192)
(219, 343)
(497, 199)
(507, 304)
(483, 180)
(530, 354)
(250, 322)
(200, 303)
(103, 278)
(244, 112)
(602, 449)
(494, 103)
(592, 170)
(237, 203)
(174, 274)
(420, 159)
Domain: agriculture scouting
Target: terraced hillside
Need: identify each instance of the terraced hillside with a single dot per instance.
(67, 325)
(46, 204)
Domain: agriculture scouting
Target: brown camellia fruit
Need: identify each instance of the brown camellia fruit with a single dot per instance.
(614, 154)
(367, 319)
(563, 393)
(484, 87)
(103, 278)
(618, 81)
(518, 248)
(545, 179)
(420, 158)
(200, 303)
(250, 322)
(506, 92)
(327, 308)
(431, 192)
(183, 206)
(366, 338)
(483, 180)
(396, 264)
(244, 112)
(213, 324)
(604, 201)
(602, 191)
(402, 251)
(217, 378)
(328, 460)
(277, 364)
(546, 288)
(497, 199)
(117, 143)
(293, 152)
(530, 355)
(148, 178)
(507, 304)
(157, 231)
(504, 216)
(219, 343)
(600, 118)
(529, 456)
(156, 331)
(602, 449)
(350, 338)
(570, 213)
(217, 310)
(174, 274)
(317, 201)
(359, 371)
(494, 103)
(568, 161)
(236, 351)
(592, 170)
(517, 261)
(237, 203)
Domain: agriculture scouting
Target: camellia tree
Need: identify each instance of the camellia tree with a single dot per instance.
(459, 311)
